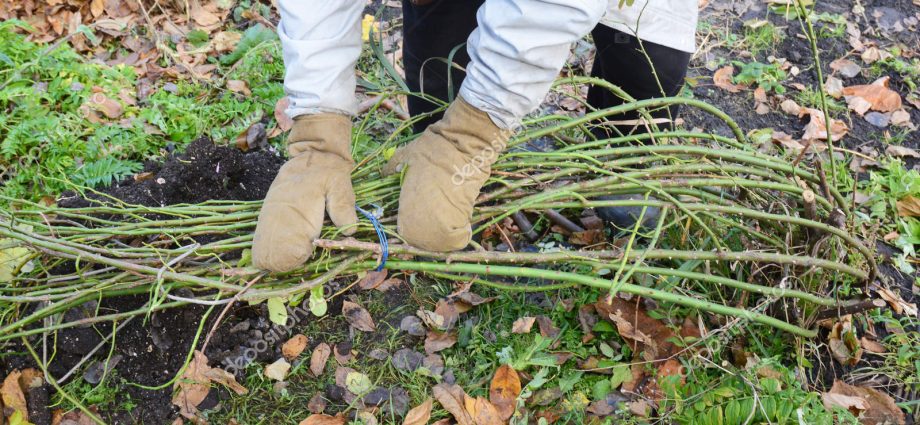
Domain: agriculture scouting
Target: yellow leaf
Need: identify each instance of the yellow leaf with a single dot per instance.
(367, 24)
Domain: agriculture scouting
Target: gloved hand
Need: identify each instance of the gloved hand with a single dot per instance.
(316, 178)
(445, 169)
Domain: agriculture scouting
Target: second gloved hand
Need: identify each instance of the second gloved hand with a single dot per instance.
(316, 179)
(445, 169)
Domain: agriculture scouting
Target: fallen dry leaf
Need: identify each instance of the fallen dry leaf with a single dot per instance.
(868, 404)
(277, 370)
(438, 341)
(372, 279)
(482, 412)
(901, 118)
(294, 346)
(324, 420)
(239, 86)
(358, 317)
(195, 384)
(12, 395)
(872, 346)
(816, 129)
(723, 79)
(504, 391)
(896, 302)
(419, 415)
(547, 328)
(901, 151)
(880, 97)
(109, 107)
(790, 107)
(650, 337)
(846, 67)
(843, 343)
(834, 87)
(225, 41)
(452, 399)
(202, 16)
(318, 358)
(523, 325)
(909, 206)
(342, 352)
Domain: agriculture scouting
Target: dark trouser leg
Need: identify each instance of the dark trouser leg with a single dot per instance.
(620, 60)
(432, 31)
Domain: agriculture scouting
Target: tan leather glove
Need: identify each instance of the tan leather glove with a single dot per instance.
(445, 169)
(316, 178)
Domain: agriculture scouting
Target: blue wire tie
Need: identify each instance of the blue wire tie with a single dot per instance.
(381, 235)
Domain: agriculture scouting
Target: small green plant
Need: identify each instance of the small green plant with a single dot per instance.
(766, 76)
(888, 185)
(773, 395)
(811, 98)
(829, 25)
(760, 36)
(909, 71)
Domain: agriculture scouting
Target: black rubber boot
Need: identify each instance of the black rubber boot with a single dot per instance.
(431, 31)
(627, 63)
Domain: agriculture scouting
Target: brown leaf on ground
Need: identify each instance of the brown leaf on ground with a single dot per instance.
(294, 346)
(547, 328)
(342, 353)
(650, 337)
(843, 343)
(523, 325)
(317, 403)
(872, 346)
(358, 317)
(239, 86)
(909, 206)
(790, 107)
(452, 399)
(897, 303)
(203, 16)
(816, 129)
(318, 358)
(723, 79)
(482, 412)
(13, 396)
(834, 87)
(901, 118)
(226, 41)
(868, 404)
(504, 391)
(220, 376)
(438, 341)
(450, 310)
(277, 370)
(324, 420)
(372, 279)
(760, 95)
(901, 151)
(846, 67)
(880, 97)
(109, 107)
(195, 384)
(419, 415)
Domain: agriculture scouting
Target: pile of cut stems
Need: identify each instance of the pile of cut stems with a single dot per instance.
(732, 221)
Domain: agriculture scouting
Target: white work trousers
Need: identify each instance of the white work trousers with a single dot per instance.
(516, 51)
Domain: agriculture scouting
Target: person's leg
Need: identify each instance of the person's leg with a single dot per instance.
(645, 71)
(431, 30)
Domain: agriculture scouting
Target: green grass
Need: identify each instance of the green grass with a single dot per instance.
(47, 136)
